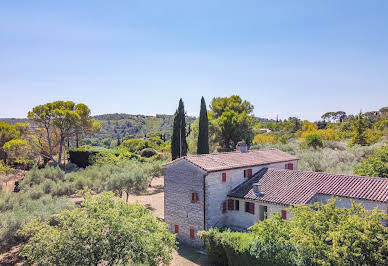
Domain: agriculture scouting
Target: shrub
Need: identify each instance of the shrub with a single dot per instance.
(326, 134)
(105, 230)
(86, 156)
(19, 152)
(148, 152)
(20, 208)
(374, 165)
(320, 235)
(37, 176)
(216, 253)
(4, 169)
(314, 141)
(264, 138)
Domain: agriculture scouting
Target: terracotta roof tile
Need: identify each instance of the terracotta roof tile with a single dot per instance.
(230, 160)
(297, 187)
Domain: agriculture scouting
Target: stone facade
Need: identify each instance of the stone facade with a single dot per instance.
(181, 179)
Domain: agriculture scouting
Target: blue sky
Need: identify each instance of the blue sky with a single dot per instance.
(288, 58)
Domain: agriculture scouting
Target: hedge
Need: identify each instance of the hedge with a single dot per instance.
(87, 155)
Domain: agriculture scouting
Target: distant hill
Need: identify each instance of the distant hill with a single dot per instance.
(123, 126)
(13, 121)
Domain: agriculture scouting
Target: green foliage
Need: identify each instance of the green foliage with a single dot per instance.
(322, 234)
(359, 127)
(67, 119)
(7, 132)
(105, 230)
(334, 157)
(203, 132)
(87, 155)
(234, 121)
(314, 141)
(212, 240)
(4, 169)
(338, 236)
(19, 152)
(137, 145)
(17, 209)
(178, 141)
(148, 153)
(122, 126)
(374, 165)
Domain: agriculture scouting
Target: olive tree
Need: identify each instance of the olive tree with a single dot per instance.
(106, 230)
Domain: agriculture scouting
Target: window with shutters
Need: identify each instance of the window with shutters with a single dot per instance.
(176, 229)
(289, 166)
(250, 207)
(194, 197)
(284, 214)
(237, 205)
(223, 177)
(223, 207)
(230, 205)
(248, 173)
(192, 235)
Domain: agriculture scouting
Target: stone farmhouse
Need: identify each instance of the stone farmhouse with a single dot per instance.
(237, 189)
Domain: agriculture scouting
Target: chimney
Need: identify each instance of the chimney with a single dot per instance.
(257, 189)
(242, 146)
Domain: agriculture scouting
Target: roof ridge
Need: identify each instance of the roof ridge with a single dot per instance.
(325, 173)
(227, 152)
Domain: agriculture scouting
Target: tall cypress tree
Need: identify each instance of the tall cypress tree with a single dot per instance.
(178, 140)
(203, 134)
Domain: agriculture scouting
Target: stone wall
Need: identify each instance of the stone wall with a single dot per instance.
(343, 202)
(180, 180)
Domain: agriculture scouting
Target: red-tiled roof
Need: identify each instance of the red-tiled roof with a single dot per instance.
(297, 187)
(231, 160)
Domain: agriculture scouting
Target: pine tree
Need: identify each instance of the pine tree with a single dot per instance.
(203, 134)
(178, 140)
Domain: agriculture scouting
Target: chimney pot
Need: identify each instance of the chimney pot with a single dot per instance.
(257, 189)
(242, 146)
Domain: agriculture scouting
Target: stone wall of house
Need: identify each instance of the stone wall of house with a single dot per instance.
(180, 180)
(240, 219)
(343, 202)
(216, 191)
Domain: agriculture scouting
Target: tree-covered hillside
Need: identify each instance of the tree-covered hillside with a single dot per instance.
(122, 126)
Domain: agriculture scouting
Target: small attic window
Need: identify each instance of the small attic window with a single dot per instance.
(248, 173)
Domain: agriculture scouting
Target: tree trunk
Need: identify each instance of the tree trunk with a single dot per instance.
(60, 150)
(126, 196)
(49, 144)
(77, 141)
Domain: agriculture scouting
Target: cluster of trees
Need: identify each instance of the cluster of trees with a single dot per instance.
(53, 125)
(44, 192)
(118, 127)
(322, 234)
(104, 231)
(228, 121)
